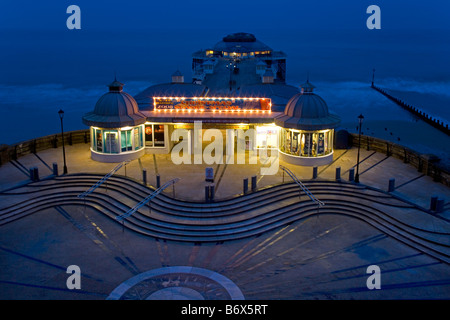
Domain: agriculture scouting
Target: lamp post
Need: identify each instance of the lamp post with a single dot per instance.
(61, 116)
(360, 119)
(229, 68)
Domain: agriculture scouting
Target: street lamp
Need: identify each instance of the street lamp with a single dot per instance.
(61, 116)
(360, 119)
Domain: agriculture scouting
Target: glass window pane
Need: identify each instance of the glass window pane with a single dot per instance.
(149, 135)
(123, 139)
(159, 135)
(99, 140)
(288, 141)
(129, 141)
(137, 141)
(314, 145)
(295, 143)
(111, 142)
(307, 146)
(321, 144)
(92, 138)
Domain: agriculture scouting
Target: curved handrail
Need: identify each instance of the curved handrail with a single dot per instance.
(302, 186)
(146, 200)
(109, 174)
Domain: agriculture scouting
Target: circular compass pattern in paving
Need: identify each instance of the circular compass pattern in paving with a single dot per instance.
(177, 283)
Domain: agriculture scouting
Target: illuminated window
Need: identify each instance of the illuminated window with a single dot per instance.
(306, 143)
(266, 137)
(154, 135)
(111, 141)
(98, 140)
(126, 141)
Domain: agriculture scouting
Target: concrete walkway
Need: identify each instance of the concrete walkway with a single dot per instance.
(375, 170)
(319, 257)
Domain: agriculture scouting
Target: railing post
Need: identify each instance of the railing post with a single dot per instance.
(439, 205)
(433, 203)
(36, 174)
(206, 193)
(351, 174)
(211, 192)
(338, 174)
(31, 170)
(391, 187)
(245, 185)
(144, 176)
(253, 183)
(55, 169)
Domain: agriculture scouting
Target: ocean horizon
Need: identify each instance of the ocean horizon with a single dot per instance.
(44, 71)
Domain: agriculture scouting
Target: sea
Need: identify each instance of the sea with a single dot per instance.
(43, 71)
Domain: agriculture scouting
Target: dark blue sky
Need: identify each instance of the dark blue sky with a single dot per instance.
(176, 14)
(45, 67)
(147, 40)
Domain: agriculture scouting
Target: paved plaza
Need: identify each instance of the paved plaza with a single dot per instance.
(320, 256)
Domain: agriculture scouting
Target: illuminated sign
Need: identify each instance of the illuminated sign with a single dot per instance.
(212, 104)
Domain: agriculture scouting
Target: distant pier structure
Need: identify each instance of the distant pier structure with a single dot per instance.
(438, 124)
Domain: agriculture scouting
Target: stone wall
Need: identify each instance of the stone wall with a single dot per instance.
(13, 152)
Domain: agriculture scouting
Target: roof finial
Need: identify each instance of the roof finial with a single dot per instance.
(115, 86)
(307, 87)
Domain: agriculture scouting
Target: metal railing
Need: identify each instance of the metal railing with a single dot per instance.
(302, 186)
(146, 200)
(102, 180)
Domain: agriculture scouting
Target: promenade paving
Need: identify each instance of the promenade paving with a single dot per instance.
(321, 257)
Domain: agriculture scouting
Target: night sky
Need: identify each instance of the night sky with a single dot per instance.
(261, 14)
(44, 66)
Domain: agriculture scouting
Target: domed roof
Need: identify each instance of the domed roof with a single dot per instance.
(307, 111)
(115, 109)
(241, 42)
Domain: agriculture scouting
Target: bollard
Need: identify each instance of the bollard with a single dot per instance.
(433, 203)
(439, 205)
(32, 178)
(245, 185)
(206, 193)
(338, 174)
(35, 174)
(314, 173)
(391, 185)
(158, 181)
(351, 174)
(211, 192)
(55, 169)
(144, 176)
(253, 183)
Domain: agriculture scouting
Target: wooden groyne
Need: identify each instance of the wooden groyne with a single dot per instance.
(436, 123)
